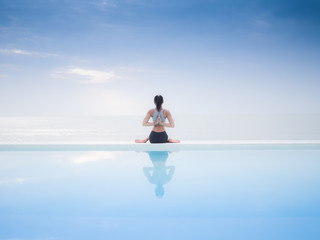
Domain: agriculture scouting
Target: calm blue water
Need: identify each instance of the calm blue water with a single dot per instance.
(222, 194)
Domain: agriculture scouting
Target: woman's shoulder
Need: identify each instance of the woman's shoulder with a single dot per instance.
(166, 112)
(151, 111)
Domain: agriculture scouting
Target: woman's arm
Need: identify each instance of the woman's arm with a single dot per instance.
(171, 122)
(146, 120)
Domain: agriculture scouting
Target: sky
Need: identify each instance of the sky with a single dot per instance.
(108, 57)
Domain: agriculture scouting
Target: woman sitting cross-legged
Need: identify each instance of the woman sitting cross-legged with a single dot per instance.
(159, 116)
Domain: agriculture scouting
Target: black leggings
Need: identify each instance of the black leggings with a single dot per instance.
(158, 137)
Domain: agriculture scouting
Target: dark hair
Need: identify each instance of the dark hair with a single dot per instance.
(158, 100)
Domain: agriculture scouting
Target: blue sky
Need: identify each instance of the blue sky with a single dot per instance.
(104, 57)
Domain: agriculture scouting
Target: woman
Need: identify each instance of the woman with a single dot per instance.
(159, 116)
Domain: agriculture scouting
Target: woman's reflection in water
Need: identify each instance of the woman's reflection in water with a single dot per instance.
(159, 174)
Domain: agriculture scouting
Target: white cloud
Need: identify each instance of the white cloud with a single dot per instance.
(107, 3)
(103, 4)
(85, 75)
(15, 51)
(26, 53)
(16, 180)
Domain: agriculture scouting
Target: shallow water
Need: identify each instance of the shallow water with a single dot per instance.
(221, 194)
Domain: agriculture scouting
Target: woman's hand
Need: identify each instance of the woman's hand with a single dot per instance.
(158, 122)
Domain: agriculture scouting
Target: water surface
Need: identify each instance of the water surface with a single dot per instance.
(220, 194)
